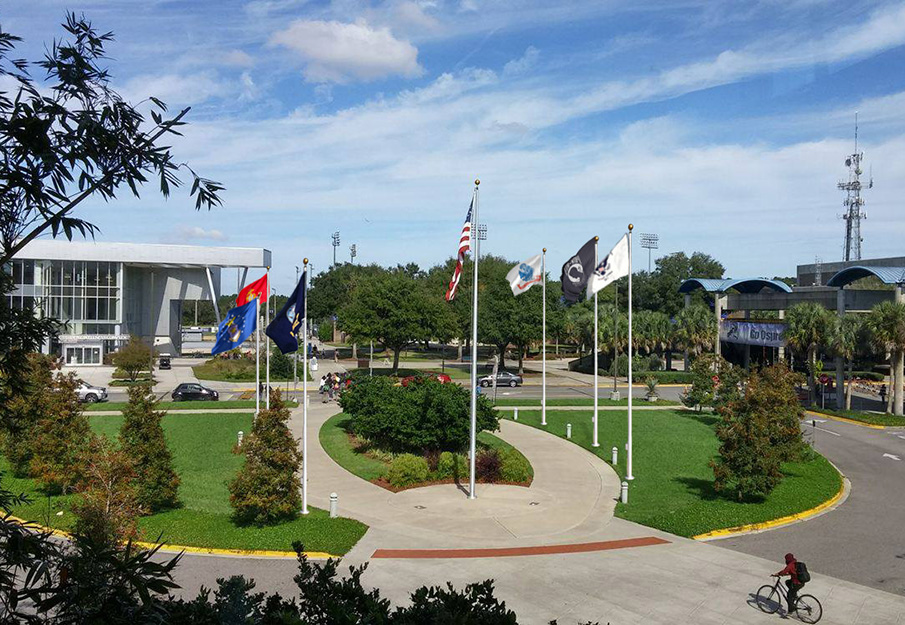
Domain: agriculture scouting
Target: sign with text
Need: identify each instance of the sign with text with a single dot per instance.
(750, 333)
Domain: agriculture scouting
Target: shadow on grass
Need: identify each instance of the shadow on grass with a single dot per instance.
(701, 488)
(705, 418)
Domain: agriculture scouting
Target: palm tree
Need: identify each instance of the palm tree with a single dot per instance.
(695, 329)
(844, 343)
(886, 323)
(808, 326)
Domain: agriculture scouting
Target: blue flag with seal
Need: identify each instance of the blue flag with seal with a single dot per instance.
(288, 323)
(235, 328)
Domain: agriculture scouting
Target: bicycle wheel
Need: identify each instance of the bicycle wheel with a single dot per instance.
(809, 609)
(768, 599)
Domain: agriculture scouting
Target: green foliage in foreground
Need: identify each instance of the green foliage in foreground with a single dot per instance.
(170, 406)
(582, 401)
(673, 490)
(874, 418)
(202, 455)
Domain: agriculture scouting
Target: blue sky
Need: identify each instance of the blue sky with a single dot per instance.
(722, 126)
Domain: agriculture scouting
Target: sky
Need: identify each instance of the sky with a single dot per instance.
(721, 126)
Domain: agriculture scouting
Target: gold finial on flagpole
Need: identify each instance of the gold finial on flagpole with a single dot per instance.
(305, 260)
(630, 227)
(596, 238)
(545, 249)
(477, 181)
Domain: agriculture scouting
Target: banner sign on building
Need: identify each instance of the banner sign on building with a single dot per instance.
(749, 333)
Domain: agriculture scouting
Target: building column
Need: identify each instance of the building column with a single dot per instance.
(898, 402)
(214, 295)
(687, 304)
(840, 362)
(781, 353)
(718, 310)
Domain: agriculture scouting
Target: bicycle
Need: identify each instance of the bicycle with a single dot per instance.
(772, 597)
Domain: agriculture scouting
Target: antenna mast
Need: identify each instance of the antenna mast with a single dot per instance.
(853, 201)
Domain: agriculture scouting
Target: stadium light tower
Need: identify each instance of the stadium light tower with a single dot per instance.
(651, 242)
(353, 252)
(335, 245)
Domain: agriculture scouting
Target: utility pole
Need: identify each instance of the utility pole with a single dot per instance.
(335, 245)
(853, 201)
(650, 242)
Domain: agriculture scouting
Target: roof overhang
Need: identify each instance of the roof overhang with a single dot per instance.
(147, 254)
(887, 275)
(742, 285)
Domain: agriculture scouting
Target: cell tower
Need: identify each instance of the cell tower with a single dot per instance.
(853, 201)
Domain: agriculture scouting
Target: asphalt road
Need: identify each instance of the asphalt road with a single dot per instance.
(862, 540)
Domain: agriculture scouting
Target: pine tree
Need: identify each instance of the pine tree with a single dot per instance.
(266, 489)
(142, 440)
(25, 409)
(59, 437)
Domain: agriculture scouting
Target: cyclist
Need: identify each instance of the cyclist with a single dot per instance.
(793, 583)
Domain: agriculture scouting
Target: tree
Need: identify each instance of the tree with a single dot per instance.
(143, 442)
(134, 357)
(659, 290)
(108, 498)
(331, 290)
(60, 436)
(844, 341)
(76, 139)
(715, 382)
(886, 322)
(808, 326)
(266, 489)
(758, 431)
(25, 409)
(395, 309)
(696, 329)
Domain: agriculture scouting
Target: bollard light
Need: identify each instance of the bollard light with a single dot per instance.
(624, 495)
(334, 504)
(615, 456)
(568, 430)
(240, 437)
(516, 414)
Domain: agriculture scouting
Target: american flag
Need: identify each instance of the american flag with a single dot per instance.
(464, 246)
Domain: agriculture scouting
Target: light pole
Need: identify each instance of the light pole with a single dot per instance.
(295, 360)
(335, 245)
(353, 252)
(650, 242)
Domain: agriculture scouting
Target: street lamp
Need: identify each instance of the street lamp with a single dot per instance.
(335, 245)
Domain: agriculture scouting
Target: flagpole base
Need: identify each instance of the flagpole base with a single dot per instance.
(629, 477)
(304, 510)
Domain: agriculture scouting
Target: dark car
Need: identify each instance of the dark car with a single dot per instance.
(188, 391)
(503, 378)
(165, 362)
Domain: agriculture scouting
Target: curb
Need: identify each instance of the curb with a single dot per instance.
(165, 548)
(752, 528)
(872, 426)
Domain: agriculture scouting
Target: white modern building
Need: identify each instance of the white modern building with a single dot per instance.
(105, 292)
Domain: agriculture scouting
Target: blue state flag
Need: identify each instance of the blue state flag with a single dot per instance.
(236, 327)
(285, 327)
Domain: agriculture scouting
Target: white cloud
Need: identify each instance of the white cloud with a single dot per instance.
(175, 89)
(523, 63)
(238, 58)
(196, 233)
(339, 52)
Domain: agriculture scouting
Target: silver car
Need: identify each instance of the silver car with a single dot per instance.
(90, 394)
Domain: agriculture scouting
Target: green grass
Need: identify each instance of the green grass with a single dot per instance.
(202, 452)
(874, 418)
(673, 485)
(334, 439)
(585, 401)
(235, 404)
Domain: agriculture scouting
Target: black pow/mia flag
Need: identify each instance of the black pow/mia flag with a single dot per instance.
(576, 271)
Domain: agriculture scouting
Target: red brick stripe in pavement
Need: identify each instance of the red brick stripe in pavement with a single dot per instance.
(519, 551)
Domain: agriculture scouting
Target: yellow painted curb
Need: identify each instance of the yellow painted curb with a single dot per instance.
(872, 426)
(313, 555)
(800, 516)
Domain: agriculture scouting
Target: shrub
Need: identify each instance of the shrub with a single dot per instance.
(325, 331)
(134, 357)
(416, 418)
(266, 489)
(142, 440)
(25, 409)
(407, 469)
(451, 466)
(619, 365)
(715, 382)
(488, 465)
(106, 510)
(651, 383)
(654, 363)
(280, 365)
(515, 467)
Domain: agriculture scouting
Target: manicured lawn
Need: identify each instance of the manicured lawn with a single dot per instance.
(584, 401)
(202, 451)
(236, 404)
(672, 489)
(874, 418)
(334, 439)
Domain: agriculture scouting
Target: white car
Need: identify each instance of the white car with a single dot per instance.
(90, 394)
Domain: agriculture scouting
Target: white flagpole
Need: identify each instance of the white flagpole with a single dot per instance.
(257, 356)
(596, 443)
(474, 346)
(305, 396)
(266, 342)
(628, 455)
(543, 343)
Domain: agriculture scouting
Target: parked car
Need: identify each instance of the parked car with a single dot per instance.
(188, 391)
(442, 378)
(165, 362)
(503, 378)
(90, 394)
